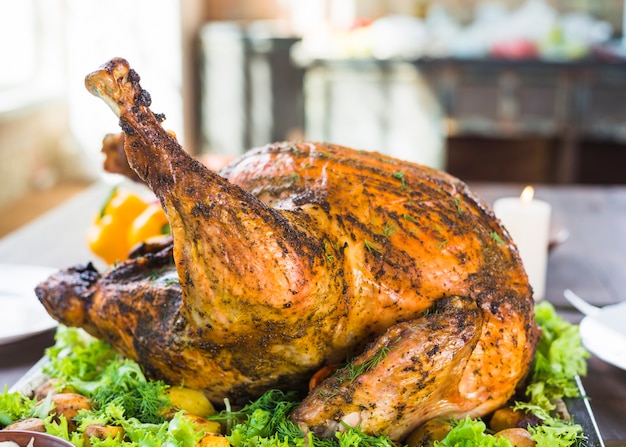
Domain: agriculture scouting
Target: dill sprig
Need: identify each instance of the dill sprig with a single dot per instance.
(353, 371)
(408, 217)
(389, 228)
(125, 385)
(330, 257)
(371, 247)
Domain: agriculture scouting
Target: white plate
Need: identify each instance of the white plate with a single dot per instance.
(21, 314)
(604, 334)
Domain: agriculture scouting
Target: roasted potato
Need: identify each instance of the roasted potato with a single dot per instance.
(518, 437)
(509, 418)
(190, 400)
(50, 386)
(428, 433)
(561, 410)
(68, 405)
(30, 424)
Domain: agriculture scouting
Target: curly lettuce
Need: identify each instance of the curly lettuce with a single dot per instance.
(560, 357)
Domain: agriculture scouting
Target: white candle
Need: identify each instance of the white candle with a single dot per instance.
(528, 222)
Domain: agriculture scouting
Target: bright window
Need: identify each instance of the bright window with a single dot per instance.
(48, 46)
(31, 51)
(18, 42)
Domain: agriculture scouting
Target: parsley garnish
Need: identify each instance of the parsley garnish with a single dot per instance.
(400, 175)
(496, 237)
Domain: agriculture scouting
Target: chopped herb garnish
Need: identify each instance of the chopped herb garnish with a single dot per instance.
(496, 237)
(457, 202)
(319, 153)
(442, 241)
(330, 258)
(400, 175)
(389, 229)
(107, 200)
(171, 281)
(355, 371)
(371, 247)
(408, 217)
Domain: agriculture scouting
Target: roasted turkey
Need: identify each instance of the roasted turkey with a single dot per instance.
(302, 255)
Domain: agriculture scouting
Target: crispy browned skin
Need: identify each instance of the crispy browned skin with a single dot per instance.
(115, 160)
(297, 256)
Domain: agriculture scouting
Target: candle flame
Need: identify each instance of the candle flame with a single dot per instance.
(527, 194)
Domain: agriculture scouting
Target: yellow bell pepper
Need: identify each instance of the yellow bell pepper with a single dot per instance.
(150, 223)
(107, 236)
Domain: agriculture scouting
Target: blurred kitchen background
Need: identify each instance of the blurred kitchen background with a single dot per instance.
(528, 91)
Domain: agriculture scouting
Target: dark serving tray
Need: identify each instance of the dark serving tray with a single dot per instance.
(579, 408)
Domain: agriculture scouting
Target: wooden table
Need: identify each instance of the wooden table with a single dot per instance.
(592, 262)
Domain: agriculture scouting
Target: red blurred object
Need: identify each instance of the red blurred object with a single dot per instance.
(514, 49)
(360, 22)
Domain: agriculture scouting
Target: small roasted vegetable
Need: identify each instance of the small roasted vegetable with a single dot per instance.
(518, 437)
(50, 386)
(508, 417)
(430, 432)
(190, 400)
(322, 374)
(28, 424)
(68, 405)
